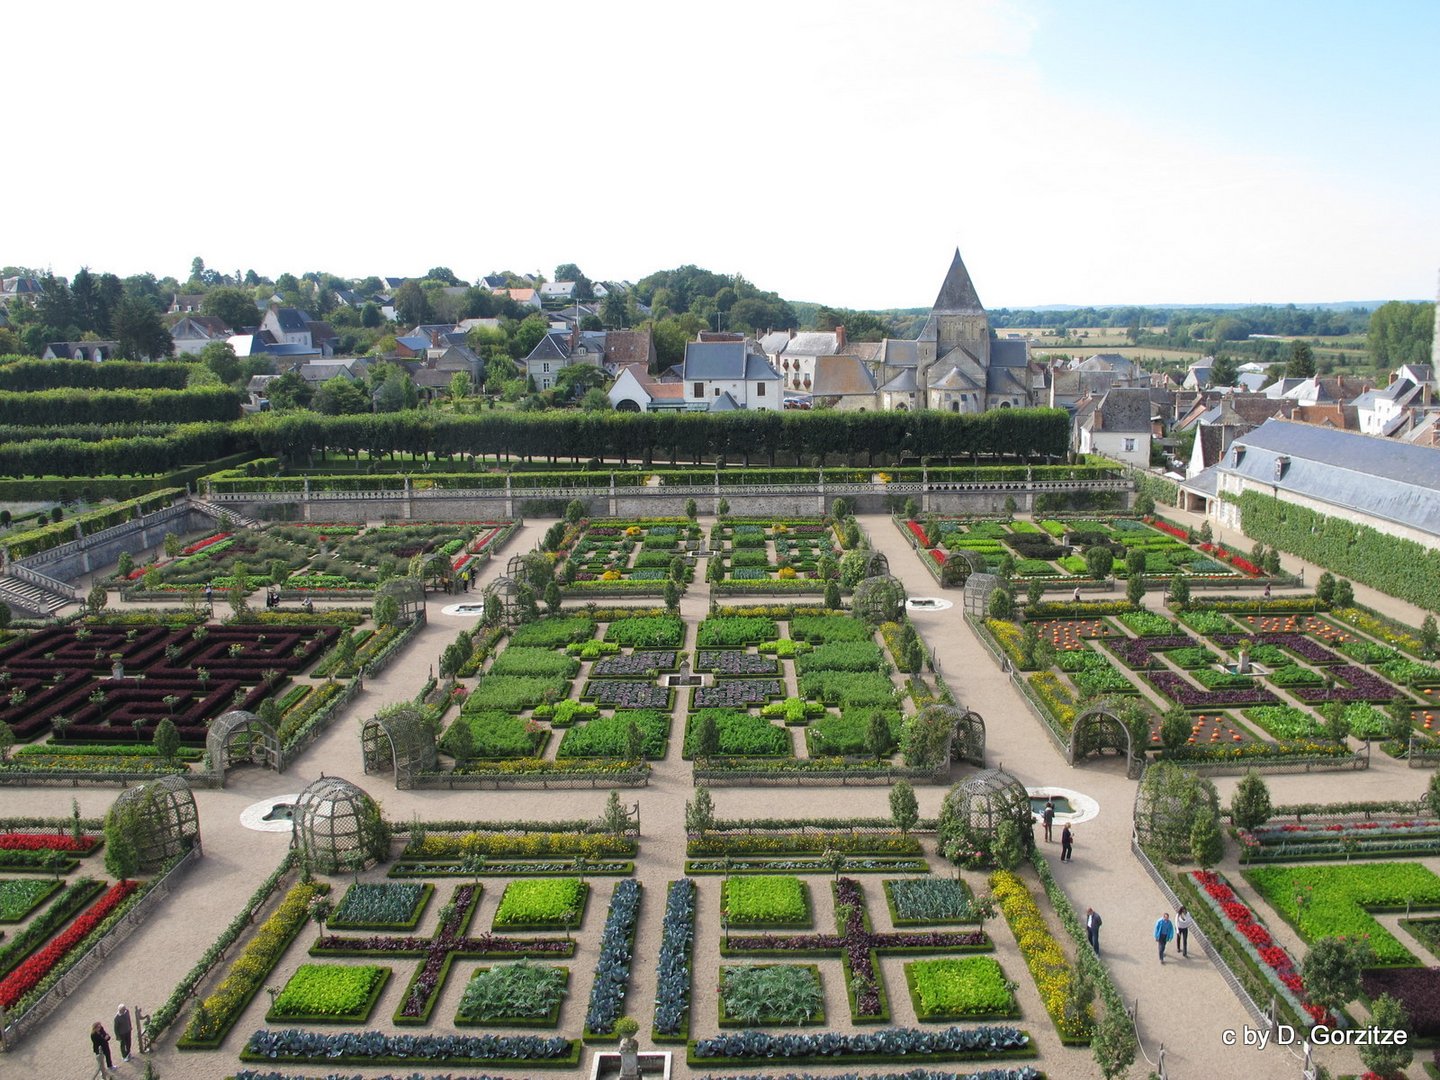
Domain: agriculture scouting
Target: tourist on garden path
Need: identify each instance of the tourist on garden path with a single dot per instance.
(1067, 842)
(1075, 596)
(1047, 816)
(100, 1044)
(1093, 923)
(122, 1031)
(1183, 922)
(1164, 931)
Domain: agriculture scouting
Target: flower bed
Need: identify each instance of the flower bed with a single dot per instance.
(71, 900)
(535, 663)
(293, 1047)
(887, 1045)
(383, 906)
(1336, 901)
(969, 987)
(733, 631)
(1043, 955)
(525, 845)
(1148, 624)
(20, 896)
(765, 994)
(1181, 692)
(1254, 939)
(623, 694)
(673, 975)
(27, 976)
(1285, 721)
(647, 631)
(788, 843)
(14, 841)
(825, 629)
(553, 632)
(644, 664)
(608, 736)
(330, 994)
(1292, 841)
(767, 901)
(514, 693)
(216, 1015)
(847, 687)
(1417, 990)
(522, 994)
(612, 969)
(929, 901)
(737, 693)
(731, 662)
(1361, 686)
(542, 904)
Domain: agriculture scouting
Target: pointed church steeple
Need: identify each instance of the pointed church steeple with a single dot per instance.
(957, 294)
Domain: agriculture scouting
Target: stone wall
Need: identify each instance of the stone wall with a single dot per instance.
(73, 560)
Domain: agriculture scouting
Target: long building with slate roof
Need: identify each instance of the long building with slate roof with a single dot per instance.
(1392, 487)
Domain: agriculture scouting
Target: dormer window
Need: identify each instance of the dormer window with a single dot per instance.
(1237, 455)
(1282, 463)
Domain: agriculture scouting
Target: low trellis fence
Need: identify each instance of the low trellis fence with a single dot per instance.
(11, 776)
(320, 722)
(1017, 679)
(610, 778)
(807, 778)
(16, 1027)
(1277, 765)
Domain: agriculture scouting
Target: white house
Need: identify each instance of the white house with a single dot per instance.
(636, 390)
(714, 369)
(1118, 426)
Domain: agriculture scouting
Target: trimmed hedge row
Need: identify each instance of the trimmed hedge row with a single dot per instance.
(29, 376)
(73, 405)
(22, 544)
(1401, 568)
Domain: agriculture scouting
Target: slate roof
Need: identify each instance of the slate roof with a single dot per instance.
(200, 326)
(866, 351)
(954, 379)
(1205, 482)
(812, 343)
(957, 294)
(1395, 481)
(776, 341)
(1003, 380)
(551, 347)
(899, 353)
(724, 403)
(415, 343)
(725, 360)
(903, 383)
(292, 320)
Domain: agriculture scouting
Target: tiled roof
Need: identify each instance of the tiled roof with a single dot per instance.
(1125, 410)
(812, 343)
(629, 346)
(842, 375)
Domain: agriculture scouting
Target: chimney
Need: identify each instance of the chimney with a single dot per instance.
(575, 336)
(792, 333)
(840, 337)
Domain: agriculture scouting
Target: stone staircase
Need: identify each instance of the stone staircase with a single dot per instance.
(28, 599)
(223, 515)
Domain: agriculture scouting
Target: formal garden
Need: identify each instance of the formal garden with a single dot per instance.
(1225, 678)
(316, 559)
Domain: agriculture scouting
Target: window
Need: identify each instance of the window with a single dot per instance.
(717, 391)
(545, 369)
(1128, 445)
(760, 389)
(699, 390)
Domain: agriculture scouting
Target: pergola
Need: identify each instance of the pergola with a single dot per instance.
(337, 826)
(161, 819)
(397, 738)
(238, 737)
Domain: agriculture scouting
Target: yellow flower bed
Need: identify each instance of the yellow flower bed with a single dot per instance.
(213, 1018)
(786, 573)
(1009, 637)
(538, 845)
(1043, 955)
(1056, 697)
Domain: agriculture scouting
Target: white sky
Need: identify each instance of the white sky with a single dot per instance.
(1105, 152)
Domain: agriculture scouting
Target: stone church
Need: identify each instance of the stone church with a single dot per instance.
(956, 364)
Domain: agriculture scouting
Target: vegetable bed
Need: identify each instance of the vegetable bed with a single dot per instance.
(330, 994)
(969, 987)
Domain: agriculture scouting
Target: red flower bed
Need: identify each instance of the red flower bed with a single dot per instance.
(28, 975)
(919, 531)
(201, 545)
(15, 841)
(1242, 563)
(938, 556)
(1166, 527)
(1242, 921)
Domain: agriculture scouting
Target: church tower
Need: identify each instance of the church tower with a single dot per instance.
(957, 321)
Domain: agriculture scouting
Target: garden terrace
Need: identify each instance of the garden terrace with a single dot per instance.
(187, 675)
(1371, 839)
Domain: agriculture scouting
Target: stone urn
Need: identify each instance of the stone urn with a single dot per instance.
(1242, 667)
(117, 669)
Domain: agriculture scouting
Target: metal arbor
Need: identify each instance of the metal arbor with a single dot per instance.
(978, 805)
(875, 565)
(968, 742)
(242, 737)
(506, 591)
(879, 599)
(978, 589)
(409, 594)
(1098, 728)
(397, 738)
(338, 827)
(160, 818)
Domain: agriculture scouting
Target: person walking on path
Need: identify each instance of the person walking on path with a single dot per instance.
(1093, 923)
(1183, 922)
(1164, 931)
(1047, 816)
(1075, 597)
(122, 1031)
(1067, 842)
(100, 1044)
